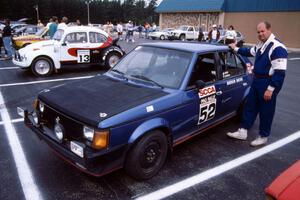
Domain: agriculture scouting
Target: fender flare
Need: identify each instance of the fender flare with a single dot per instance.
(148, 126)
(111, 49)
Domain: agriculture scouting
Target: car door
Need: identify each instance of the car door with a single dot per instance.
(190, 33)
(96, 41)
(202, 105)
(74, 48)
(234, 81)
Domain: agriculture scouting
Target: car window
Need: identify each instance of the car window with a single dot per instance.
(76, 37)
(166, 67)
(97, 37)
(231, 65)
(238, 34)
(204, 69)
(190, 29)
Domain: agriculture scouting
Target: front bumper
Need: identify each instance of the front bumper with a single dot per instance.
(19, 62)
(95, 163)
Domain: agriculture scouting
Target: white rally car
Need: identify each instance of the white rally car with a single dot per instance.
(71, 45)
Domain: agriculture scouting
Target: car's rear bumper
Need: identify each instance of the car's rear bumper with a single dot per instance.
(95, 163)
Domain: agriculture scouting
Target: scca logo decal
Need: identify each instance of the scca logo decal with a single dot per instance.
(207, 91)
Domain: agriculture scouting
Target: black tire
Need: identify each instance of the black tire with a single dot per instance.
(162, 37)
(153, 38)
(42, 66)
(182, 37)
(112, 59)
(147, 156)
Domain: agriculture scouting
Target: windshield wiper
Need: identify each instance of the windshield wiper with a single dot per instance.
(147, 79)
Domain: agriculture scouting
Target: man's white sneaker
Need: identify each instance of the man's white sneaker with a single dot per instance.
(259, 141)
(240, 134)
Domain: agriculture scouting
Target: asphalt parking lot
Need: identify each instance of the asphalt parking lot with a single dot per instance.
(210, 164)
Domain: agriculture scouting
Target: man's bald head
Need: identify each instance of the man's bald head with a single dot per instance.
(264, 31)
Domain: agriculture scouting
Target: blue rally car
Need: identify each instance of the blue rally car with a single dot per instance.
(156, 97)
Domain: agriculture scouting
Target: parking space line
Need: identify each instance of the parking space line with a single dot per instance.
(4, 68)
(203, 176)
(294, 59)
(29, 187)
(13, 121)
(44, 81)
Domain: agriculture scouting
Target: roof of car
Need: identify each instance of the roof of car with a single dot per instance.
(83, 28)
(188, 46)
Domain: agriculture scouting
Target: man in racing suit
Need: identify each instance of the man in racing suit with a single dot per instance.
(268, 76)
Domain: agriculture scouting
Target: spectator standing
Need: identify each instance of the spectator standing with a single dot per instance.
(230, 36)
(120, 30)
(201, 34)
(214, 34)
(129, 36)
(53, 27)
(140, 30)
(78, 23)
(268, 77)
(110, 27)
(49, 23)
(6, 35)
(154, 26)
(147, 27)
(40, 24)
(63, 23)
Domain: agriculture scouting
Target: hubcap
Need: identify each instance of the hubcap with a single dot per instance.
(113, 60)
(42, 67)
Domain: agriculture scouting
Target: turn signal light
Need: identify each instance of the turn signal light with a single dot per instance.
(101, 139)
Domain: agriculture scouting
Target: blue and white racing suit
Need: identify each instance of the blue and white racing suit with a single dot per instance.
(268, 73)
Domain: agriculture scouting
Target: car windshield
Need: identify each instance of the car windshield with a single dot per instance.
(158, 66)
(183, 28)
(58, 35)
(40, 31)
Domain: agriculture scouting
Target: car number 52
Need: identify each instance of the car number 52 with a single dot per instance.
(207, 112)
(83, 56)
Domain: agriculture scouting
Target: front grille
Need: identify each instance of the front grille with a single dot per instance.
(17, 56)
(73, 129)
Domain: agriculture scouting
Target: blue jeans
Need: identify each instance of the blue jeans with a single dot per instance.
(7, 46)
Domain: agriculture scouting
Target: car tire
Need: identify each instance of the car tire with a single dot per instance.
(182, 37)
(147, 156)
(153, 38)
(162, 37)
(42, 66)
(112, 59)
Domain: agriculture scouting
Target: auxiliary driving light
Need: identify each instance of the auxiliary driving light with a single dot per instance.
(41, 106)
(58, 130)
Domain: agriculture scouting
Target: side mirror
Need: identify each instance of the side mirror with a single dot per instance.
(200, 84)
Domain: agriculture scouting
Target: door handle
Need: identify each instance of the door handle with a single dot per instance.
(219, 93)
(245, 84)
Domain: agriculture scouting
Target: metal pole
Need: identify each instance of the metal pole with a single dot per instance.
(88, 11)
(37, 12)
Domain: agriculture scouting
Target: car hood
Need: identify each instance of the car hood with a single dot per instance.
(96, 99)
(27, 37)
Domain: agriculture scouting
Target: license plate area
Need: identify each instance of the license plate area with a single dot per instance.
(77, 149)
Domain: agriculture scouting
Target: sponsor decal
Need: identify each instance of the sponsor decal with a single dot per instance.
(73, 51)
(233, 81)
(150, 108)
(208, 104)
(207, 91)
(102, 115)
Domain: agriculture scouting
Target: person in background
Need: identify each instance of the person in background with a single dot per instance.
(268, 77)
(230, 36)
(120, 30)
(78, 23)
(6, 37)
(147, 27)
(63, 23)
(154, 26)
(50, 22)
(130, 31)
(201, 34)
(140, 29)
(214, 34)
(40, 24)
(53, 26)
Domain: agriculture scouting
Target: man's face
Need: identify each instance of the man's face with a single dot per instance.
(262, 32)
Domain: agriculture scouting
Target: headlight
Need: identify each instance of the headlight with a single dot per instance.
(59, 132)
(41, 106)
(88, 133)
(101, 139)
(35, 118)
